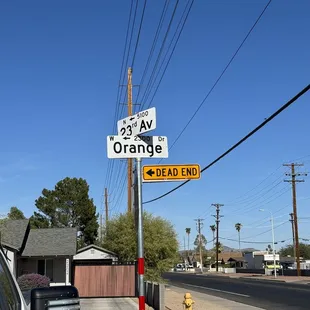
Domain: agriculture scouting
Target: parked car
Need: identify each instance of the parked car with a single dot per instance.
(179, 267)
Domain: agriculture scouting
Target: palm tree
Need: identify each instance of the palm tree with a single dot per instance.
(238, 228)
(213, 229)
(188, 231)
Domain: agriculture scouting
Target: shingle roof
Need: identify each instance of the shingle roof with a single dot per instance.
(13, 233)
(51, 242)
(96, 247)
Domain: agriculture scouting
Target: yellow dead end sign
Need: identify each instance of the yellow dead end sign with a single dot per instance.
(158, 173)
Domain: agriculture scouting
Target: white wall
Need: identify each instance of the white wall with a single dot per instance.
(93, 253)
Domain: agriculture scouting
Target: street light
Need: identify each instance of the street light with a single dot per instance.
(273, 242)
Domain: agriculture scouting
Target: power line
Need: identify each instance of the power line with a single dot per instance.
(256, 242)
(264, 232)
(160, 51)
(264, 123)
(256, 186)
(111, 162)
(265, 201)
(138, 36)
(221, 75)
(155, 40)
(181, 24)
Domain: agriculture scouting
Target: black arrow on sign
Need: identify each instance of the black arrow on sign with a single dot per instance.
(132, 118)
(126, 138)
(150, 172)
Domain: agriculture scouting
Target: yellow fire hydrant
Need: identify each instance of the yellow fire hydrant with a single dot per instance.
(188, 301)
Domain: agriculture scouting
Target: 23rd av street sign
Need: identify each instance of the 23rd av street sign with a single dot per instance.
(137, 147)
(157, 173)
(137, 124)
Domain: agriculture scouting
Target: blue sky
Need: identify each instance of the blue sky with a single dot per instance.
(60, 64)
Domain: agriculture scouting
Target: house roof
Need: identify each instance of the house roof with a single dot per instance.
(227, 255)
(51, 242)
(93, 246)
(13, 233)
(236, 259)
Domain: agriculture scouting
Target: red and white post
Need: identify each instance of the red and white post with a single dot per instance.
(140, 237)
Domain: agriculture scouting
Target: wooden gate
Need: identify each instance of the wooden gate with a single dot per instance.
(97, 279)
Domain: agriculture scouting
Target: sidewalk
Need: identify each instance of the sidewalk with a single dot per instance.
(108, 304)
(288, 279)
(174, 297)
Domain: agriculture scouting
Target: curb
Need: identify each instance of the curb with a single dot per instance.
(262, 280)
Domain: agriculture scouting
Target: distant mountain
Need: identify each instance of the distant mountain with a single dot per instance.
(228, 249)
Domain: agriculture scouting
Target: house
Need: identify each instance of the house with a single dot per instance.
(261, 260)
(93, 253)
(13, 239)
(235, 259)
(45, 251)
(237, 262)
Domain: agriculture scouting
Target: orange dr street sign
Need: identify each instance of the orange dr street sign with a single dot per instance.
(158, 173)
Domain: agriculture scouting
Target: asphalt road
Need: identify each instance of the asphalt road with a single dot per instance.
(259, 293)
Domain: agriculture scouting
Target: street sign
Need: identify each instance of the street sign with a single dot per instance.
(137, 147)
(137, 124)
(157, 173)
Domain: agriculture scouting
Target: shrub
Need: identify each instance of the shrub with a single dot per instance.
(32, 280)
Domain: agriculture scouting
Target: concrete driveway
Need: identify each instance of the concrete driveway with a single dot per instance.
(108, 303)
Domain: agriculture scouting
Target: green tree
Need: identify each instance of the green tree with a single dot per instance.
(213, 229)
(220, 247)
(289, 250)
(68, 205)
(238, 228)
(16, 214)
(160, 242)
(203, 243)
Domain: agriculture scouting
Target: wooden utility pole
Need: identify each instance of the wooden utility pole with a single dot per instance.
(217, 220)
(129, 160)
(293, 234)
(293, 180)
(199, 227)
(106, 207)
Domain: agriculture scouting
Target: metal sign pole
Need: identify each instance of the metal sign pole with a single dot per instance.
(140, 237)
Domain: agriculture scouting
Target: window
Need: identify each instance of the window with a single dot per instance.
(41, 267)
(9, 297)
(46, 267)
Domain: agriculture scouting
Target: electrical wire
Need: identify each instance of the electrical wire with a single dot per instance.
(111, 162)
(256, 242)
(155, 40)
(160, 51)
(173, 49)
(221, 75)
(265, 232)
(138, 36)
(256, 186)
(256, 129)
(262, 203)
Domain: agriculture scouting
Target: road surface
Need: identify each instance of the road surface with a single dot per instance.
(264, 294)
